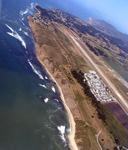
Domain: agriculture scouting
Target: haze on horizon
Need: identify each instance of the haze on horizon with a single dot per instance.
(112, 11)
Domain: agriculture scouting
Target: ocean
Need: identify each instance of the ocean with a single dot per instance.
(32, 116)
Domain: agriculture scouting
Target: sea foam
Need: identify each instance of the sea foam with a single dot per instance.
(53, 89)
(46, 77)
(16, 35)
(22, 13)
(35, 70)
(25, 33)
(62, 130)
(28, 10)
(42, 85)
(46, 100)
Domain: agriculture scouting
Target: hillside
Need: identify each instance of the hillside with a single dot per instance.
(107, 29)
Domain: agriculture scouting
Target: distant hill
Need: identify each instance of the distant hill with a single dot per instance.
(107, 28)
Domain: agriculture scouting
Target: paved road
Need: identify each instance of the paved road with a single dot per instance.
(121, 99)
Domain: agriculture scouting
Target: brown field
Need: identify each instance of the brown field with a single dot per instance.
(60, 56)
(116, 109)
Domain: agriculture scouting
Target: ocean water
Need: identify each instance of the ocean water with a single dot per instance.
(32, 116)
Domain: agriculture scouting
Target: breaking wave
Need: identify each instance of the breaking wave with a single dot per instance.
(53, 89)
(42, 85)
(62, 130)
(35, 70)
(46, 100)
(16, 35)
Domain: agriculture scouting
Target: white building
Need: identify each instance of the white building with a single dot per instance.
(98, 87)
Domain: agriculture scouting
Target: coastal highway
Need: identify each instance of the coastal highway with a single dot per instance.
(121, 99)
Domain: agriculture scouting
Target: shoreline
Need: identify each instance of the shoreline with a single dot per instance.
(71, 135)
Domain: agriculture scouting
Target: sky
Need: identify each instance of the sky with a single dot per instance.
(114, 12)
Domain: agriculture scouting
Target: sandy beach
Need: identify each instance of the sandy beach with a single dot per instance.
(71, 135)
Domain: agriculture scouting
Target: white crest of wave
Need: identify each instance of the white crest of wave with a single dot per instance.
(42, 85)
(46, 77)
(53, 89)
(9, 27)
(28, 10)
(56, 100)
(22, 13)
(16, 35)
(25, 33)
(32, 5)
(20, 29)
(23, 22)
(46, 100)
(62, 132)
(35, 70)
